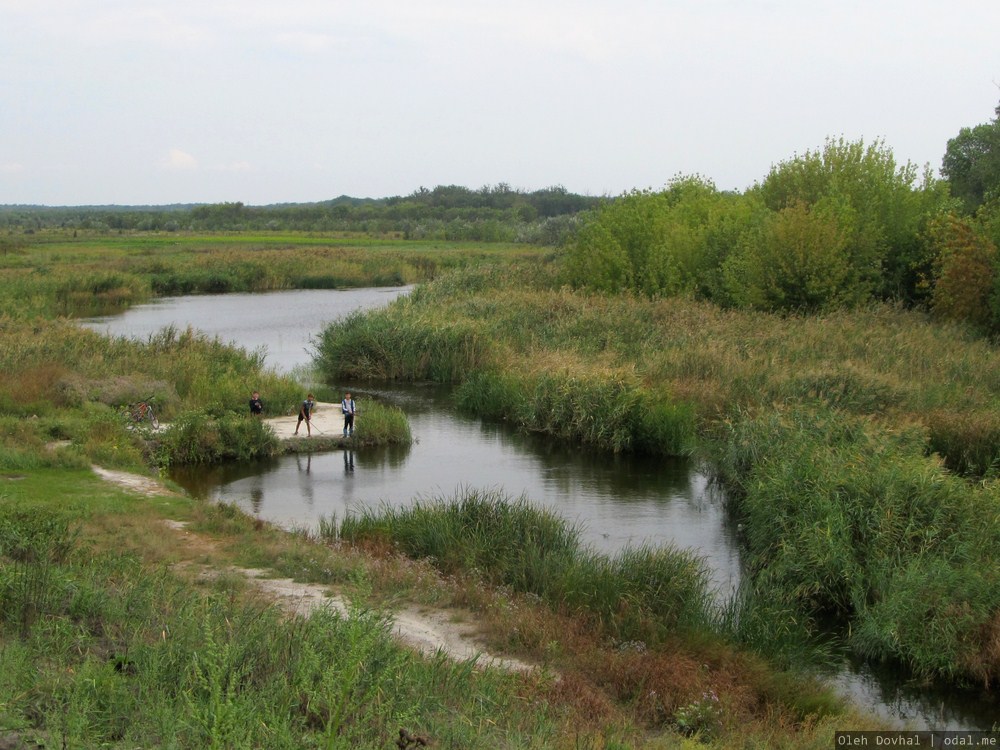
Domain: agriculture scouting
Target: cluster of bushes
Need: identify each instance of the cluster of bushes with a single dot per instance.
(847, 519)
(841, 225)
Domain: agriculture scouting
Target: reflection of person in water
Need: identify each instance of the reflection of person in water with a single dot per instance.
(256, 499)
(306, 484)
(348, 462)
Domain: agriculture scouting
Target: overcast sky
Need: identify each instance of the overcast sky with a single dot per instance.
(180, 101)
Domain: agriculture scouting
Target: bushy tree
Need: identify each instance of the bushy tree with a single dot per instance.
(971, 163)
(964, 272)
(662, 243)
(598, 261)
(798, 258)
(611, 250)
(698, 232)
(883, 204)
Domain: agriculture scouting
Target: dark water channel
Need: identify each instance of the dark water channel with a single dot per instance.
(613, 500)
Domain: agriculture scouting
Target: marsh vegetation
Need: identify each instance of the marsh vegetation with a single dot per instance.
(823, 340)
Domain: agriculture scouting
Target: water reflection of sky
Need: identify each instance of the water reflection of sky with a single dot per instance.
(614, 501)
(280, 323)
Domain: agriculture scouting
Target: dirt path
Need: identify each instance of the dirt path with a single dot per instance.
(427, 630)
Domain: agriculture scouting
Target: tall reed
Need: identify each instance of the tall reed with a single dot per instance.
(879, 360)
(615, 414)
(846, 518)
(849, 437)
(640, 593)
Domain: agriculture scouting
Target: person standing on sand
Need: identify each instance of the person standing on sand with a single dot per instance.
(256, 405)
(305, 413)
(348, 407)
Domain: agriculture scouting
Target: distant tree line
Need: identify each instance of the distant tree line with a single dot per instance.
(449, 212)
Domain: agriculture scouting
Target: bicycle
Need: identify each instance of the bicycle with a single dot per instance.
(142, 412)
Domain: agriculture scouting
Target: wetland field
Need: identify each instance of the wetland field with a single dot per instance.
(858, 444)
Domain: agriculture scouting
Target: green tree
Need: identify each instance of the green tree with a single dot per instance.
(964, 272)
(972, 163)
(662, 243)
(598, 260)
(798, 259)
(885, 206)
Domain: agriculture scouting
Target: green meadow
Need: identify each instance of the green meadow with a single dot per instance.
(55, 273)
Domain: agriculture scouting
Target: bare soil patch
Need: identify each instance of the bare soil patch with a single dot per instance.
(327, 421)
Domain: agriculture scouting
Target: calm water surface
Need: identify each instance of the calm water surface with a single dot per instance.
(613, 500)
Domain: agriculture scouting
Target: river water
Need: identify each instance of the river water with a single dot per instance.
(613, 500)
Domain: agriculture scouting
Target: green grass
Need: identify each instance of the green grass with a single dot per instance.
(103, 648)
(55, 274)
(639, 594)
(127, 654)
(108, 644)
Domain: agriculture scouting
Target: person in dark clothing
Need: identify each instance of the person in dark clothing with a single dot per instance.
(256, 405)
(305, 413)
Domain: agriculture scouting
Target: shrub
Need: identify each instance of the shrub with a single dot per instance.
(197, 438)
(797, 260)
(964, 272)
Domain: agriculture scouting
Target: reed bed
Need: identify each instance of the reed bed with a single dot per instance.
(381, 424)
(859, 444)
(66, 383)
(505, 334)
(847, 520)
(641, 594)
(56, 274)
(610, 412)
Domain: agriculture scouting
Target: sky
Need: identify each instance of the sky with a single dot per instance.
(153, 102)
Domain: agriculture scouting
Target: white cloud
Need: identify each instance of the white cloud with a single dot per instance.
(11, 168)
(178, 161)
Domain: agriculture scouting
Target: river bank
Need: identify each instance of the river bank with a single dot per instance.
(430, 630)
(178, 596)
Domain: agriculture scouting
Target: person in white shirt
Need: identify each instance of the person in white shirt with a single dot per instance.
(350, 409)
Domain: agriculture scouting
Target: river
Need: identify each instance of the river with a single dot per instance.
(613, 500)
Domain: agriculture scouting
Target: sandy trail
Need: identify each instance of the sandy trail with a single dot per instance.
(429, 631)
(327, 420)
